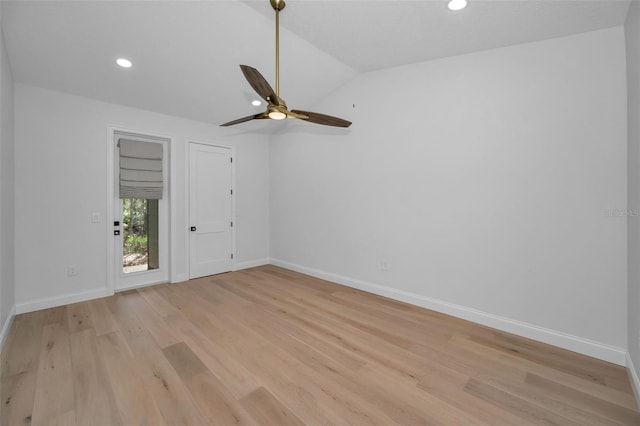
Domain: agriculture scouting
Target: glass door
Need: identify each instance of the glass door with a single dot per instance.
(141, 224)
(140, 249)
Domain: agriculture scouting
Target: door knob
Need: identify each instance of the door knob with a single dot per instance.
(193, 228)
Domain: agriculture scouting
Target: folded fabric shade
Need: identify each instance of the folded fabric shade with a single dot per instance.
(140, 169)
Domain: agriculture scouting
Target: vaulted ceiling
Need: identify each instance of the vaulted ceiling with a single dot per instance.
(186, 53)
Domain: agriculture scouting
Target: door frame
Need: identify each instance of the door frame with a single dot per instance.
(111, 176)
(187, 209)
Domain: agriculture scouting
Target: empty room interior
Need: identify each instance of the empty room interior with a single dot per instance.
(446, 233)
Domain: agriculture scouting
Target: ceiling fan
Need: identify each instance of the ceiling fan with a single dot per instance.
(276, 106)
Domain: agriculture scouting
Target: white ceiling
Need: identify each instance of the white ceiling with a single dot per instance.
(186, 53)
(371, 35)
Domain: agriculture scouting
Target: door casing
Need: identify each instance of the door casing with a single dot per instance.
(172, 275)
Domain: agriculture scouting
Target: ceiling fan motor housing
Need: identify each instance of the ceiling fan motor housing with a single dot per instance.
(277, 4)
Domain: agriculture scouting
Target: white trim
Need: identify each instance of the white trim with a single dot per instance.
(171, 141)
(134, 286)
(109, 213)
(187, 218)
(178, 278)
(7, 325)
(553, 337)
(633, 378)
(66, 299)
(173, 208)
(251, 264)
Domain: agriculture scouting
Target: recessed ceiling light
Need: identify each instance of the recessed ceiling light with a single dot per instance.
(457, 4)
(124, 63)
(256, 103)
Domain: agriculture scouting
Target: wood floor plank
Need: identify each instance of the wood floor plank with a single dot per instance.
(587, 386)
(193, 308)
(271, 346)
(24, 353)
(184, 360)
(57, 316)
(348, 399)
(157, 302)
(266, 409)
(535, 397)
(164, 384)
(280, 371)
(558, 394)
(216, 295)
(94, 397)
(215, 402)
(103, 320)
(371, 348)
(79, 317)
(312, 404)
(448, 385)
(416, 407)
(65, 419)
(311, 396)
(151, 321)
(327, 368)
(235, 377)
(262, 318)
(54, 396)
(21, 357)
(126, 319)
(518, 406)
(580, 366)
(135, 404)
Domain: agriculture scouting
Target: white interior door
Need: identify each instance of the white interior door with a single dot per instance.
(210, 210)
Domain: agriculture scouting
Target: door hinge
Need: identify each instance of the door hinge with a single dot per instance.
(232, 224)
(231, 158)
(231, 191)
(231, 255)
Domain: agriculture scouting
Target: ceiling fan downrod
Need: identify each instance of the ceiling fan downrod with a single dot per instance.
(277, 5)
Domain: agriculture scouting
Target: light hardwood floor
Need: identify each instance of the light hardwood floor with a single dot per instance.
(269, 346)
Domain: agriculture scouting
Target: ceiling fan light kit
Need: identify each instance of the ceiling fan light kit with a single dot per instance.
(276, 106)
(274, 114)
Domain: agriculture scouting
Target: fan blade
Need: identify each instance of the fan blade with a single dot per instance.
(259, 84)
(326, 120)
(243, 119)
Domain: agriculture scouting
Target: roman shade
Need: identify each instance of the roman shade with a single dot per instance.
(140, 169)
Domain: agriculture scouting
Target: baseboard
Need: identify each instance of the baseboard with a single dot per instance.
(552, 337)
(633, 378)
(251, 264)
(52, 302)
(178, 278)
(7, 325)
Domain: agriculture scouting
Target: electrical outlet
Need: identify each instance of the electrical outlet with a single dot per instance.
(72, 271)
(95, 217)
(384, 265)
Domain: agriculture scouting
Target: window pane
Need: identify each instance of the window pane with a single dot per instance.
(140, 235)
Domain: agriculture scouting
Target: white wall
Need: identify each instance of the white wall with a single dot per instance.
(6, 191)
(632, 33)
(61, 178)
(483, 180)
